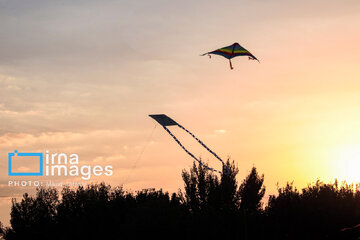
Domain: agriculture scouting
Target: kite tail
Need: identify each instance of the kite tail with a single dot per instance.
(231, 67)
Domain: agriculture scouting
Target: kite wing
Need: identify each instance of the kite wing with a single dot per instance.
(232, 51)
(165, 121)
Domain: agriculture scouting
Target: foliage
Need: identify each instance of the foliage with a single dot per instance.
(319, 211)
(209, 206)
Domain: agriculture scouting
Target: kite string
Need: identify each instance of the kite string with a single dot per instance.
(141, 153)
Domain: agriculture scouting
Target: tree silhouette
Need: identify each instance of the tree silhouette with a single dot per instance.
(211, 206)
(36, 214)
(229, 187)
(319, 211)
(251, 192)
(205, 192)
(1, 228)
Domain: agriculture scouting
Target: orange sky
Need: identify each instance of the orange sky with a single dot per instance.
(82, 78)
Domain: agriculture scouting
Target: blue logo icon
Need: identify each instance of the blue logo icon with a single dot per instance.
(16, 153)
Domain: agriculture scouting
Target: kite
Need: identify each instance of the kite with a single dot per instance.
(232, 51)
(166, 121)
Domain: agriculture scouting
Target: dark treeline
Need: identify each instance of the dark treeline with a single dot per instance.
(209, 206)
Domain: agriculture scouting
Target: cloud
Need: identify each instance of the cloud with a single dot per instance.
(220, 131)
(108, 159)
(81, 76)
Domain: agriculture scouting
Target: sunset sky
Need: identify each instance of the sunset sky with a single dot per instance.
(82, 76)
